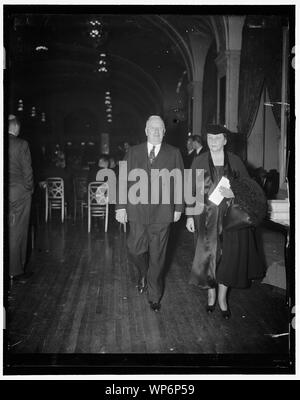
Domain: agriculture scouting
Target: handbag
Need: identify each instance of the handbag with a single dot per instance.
(249, 206)
(236, 218)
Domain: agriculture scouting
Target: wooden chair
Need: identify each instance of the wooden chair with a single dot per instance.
(55, 197)
(98, 200)
(80, 186)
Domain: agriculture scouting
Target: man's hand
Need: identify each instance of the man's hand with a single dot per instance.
(121, 216)
(177, 215)
(225, 192)
(190, 225)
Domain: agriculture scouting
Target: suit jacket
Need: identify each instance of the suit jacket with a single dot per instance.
(188, 158)
(202, 151)
(20, 170)
(168, 158)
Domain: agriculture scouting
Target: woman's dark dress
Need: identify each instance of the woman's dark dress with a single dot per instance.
(227, 257)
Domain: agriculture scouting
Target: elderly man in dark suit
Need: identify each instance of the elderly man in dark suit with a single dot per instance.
(20, 191)
(150, 221)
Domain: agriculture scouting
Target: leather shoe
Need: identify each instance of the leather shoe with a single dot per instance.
(226, 314)
(154, 306)
(142, 285)
(210, 308)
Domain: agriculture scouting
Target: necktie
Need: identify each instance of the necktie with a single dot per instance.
(152, 155)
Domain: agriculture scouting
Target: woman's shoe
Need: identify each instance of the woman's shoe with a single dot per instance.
(210, 308)
(226, 314)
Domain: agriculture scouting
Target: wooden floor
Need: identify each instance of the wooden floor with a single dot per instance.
(82, 298)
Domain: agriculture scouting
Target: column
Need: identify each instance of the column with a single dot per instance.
(195, 90)
(199, 46)
(232, 92)
(228, 63)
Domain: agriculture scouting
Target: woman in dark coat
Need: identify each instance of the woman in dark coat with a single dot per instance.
(222, 258)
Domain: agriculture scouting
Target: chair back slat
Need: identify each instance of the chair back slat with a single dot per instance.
(98, 194)
(55, 196)
(55, 188)
(98, 200)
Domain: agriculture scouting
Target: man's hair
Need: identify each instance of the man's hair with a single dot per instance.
(103, 157)
(13, 120)
(197, 138)
(13, 123)
(157, 117)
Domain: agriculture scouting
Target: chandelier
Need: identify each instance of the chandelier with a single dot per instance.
(20, 105)
(96, 31)
(108, 104)
(103, 67)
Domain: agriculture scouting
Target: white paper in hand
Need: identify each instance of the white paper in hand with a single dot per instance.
(216, 196)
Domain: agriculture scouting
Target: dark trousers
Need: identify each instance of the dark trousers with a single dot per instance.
(147, 245)
(19, 213)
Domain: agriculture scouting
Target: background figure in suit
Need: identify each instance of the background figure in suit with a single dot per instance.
(198, 145)
(189, 153)
(150, 223)
(20, 191)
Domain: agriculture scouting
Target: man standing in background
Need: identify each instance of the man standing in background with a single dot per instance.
(189, 153)
(197, 145)
(20, 192)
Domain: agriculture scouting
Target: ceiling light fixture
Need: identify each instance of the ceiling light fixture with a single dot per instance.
(20, 105)
(33, 111)
(95, 22)
(41, 48)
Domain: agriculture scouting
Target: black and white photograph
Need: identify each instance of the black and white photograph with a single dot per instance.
(149, 189)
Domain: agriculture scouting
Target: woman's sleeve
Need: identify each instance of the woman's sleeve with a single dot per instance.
(193, 194)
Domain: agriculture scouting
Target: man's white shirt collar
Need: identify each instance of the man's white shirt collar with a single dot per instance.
(150, 147)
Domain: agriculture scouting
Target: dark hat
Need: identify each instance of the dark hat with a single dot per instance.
(216, 130)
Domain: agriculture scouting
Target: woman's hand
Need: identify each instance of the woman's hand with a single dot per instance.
(225, 192)
(190, 225)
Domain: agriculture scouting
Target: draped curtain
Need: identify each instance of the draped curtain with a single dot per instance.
(274, 72)
(260, 65)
